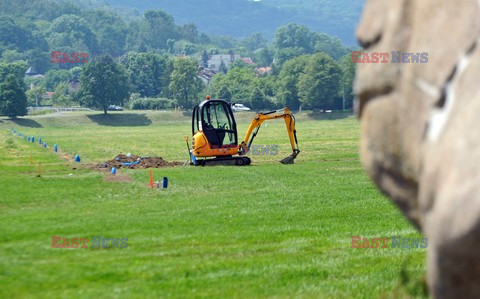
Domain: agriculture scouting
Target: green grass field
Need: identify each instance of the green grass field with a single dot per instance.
(267, 230)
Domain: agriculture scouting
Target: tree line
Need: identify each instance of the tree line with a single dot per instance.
(152, 57)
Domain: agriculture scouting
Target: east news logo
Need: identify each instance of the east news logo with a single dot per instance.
(97, 242)
(397, 57)
(397, 242)
(59, 57)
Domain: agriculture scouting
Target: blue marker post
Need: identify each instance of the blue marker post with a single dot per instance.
(40, 140)
(33, 139)
(77, 158)
(164, 182)
(28, 138)
(55, 148)
(45, 144)
(113, 171)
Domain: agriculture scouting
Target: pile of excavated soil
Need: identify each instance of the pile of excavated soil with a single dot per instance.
(134, 162)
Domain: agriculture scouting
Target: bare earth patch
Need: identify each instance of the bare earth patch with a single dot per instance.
(122, 178)
(137, 162)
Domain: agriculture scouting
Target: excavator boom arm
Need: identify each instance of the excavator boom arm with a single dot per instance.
(257, 122)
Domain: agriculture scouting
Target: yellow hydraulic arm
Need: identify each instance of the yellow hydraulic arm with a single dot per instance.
(257, 122)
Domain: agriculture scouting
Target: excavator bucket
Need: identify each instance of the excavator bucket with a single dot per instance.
(290, 159)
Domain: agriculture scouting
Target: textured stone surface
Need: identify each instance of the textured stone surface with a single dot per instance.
(421, 128)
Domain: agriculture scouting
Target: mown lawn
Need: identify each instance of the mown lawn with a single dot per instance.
(267, 230)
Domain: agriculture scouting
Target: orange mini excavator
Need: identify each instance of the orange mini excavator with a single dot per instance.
(215, 139)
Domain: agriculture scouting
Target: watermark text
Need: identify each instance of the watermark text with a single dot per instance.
(392, 57)
(59, 57)
(97, 242)
(396, 242)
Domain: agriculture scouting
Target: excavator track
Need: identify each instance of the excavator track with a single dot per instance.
(224, 161)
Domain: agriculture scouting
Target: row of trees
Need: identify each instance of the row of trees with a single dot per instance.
(105, 81)
(97, 32)
(32, 32)
(314, 81)
(140, 56)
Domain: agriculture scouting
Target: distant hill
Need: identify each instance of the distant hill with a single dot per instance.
(242, 17)
(335, 17)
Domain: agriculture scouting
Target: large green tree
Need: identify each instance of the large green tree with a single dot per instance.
(152, 32)
(13, 35)
(71, 33)
(62, 96)
(137, 39)
(294, 36)
(240, 82)
(17, 69)
(111, 31)
(224, 93)
(35, 95)
(103, 82)
(257, 99)
(188, 49)
(13, 101)
(264, 56)
(254, 42)
(318, 85)
(40, 60)
(189, 32)
(161, 27)
(347, 81)
(283, 55)
(267, 84)
(287, 91)
(329, 45)
(55, 77)
(185, 85)
(149, 73)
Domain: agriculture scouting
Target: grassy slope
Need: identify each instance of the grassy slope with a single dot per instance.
(264, 230)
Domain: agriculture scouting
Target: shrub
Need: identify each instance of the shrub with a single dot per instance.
(152, 104)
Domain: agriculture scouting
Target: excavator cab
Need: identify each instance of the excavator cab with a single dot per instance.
(214, 133)
(215, 119)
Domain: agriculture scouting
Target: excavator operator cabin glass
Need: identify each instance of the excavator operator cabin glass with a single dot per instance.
(217, 124)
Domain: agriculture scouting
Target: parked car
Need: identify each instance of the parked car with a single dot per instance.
(239, 107)
(115, 108)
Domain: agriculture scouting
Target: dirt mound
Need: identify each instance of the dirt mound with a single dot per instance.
(134, 162)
